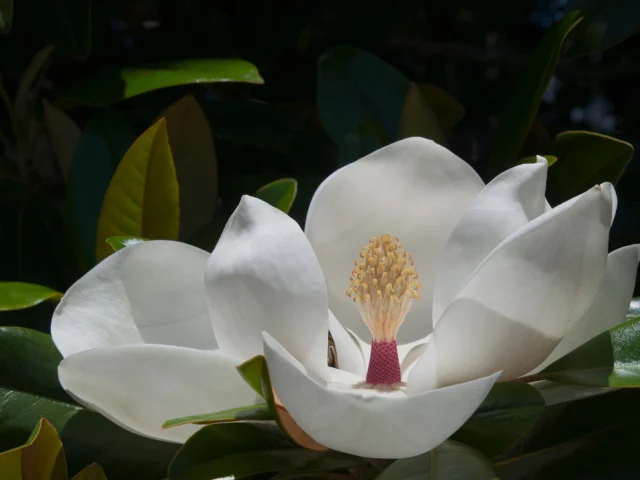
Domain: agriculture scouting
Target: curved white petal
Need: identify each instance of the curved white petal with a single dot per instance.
(366, 422)
(140, 386)
(413, 189)
(608, 307)
(264, 276)
(152, 292)
(507, 203)
(349, 352)
(517, 305)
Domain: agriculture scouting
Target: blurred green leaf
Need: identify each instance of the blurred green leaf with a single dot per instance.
(606, 23)
(118, 243)
(196, 165)
(251, 412)
(92, 472)
(518, 116)
(64, 135)
(103, 143)
(29, 362)
(360, 101)
(509, 410)
(6, 16)
(41, 458)
(115, 85)
(585, 159)
(64, 23)
(19, 295)
(240, 450)
(449, 461)
(551, 159)
(280, 193)
(418, 118)
(447, 109)
(612, 359)
(87, 436)
(142, 198)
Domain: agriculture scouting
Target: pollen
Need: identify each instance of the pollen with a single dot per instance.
(384, 283)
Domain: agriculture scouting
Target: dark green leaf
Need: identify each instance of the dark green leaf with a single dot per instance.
(239, 450)
(612, 359)
(509, 410)
(103, 143)
(118, 84)
(6, 16)
(92, 472)
(87, 437)
(118, 243)
(518, 116)
(606, 23)
(358, 117)
(585, 159)
(280, 193)
(449, 461)
(29, 362)
(19, 295)
(142, 199)
(251, 412)
(64, 23)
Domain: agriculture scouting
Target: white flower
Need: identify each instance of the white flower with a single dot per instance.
(497, 283)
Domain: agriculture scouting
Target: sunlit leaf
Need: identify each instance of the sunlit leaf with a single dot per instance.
(118, 84)
(279, 193)
(142, 198)
(196, 165)
(118, 243)
(19, 295)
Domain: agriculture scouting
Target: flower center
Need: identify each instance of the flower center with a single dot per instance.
(383, 286)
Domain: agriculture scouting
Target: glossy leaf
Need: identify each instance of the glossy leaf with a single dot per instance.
(103, 143)
(6, 16)
(29, 362)
(509, 411)
(449, 461)
(447, 109)
(87, 437)
(586, 159)
(519, 114)
(357, 117)
(606, 23)
(118, 243)
(40, 458)
(142, 198)
(279, 193)
(196, 165)
(63, 23)
(64, 135)
(20, 295)
(256, 373)
(251, 412)
(418, 118)
(92, 472)
(115, 85)
(612, 359)
(239, 450)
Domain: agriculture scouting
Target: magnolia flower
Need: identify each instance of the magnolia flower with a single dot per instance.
(433, 287)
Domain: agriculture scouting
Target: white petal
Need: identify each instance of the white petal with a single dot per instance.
(152, 292)
(608, 307)
(264, 276)
(517, 305)
(368, 423)
(140, 386)
(413, 189)
(507, 203)
(350, 357)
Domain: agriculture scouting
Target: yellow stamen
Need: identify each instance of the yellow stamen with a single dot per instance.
(383, 285)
